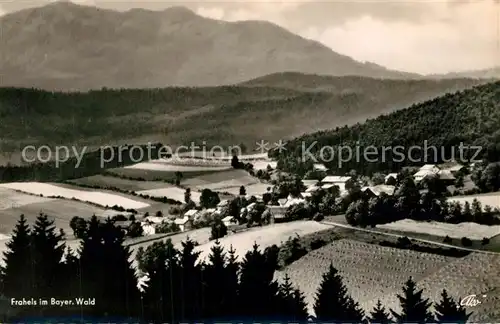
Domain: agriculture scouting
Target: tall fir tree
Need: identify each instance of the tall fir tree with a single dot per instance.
(414, 308)
(291, 303)
(214, 283)
(379, 315)
(48, 248)
(18, 279)
(107, 273)
(448, 311)
(161, 265)
(190, 279)
(258, 291)
(333, 303)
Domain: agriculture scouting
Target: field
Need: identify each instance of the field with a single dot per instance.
(489, 199)
(60, 210)
(171, 192)
(124, 184)
(162, 175)
(166, 167)
(473, 231)
(228, 181)
(262, 165)
(95, 197)
(264, 237)
(374, 272)
(12, 199)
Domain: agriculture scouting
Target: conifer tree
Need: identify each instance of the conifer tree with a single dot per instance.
(448, 311)
(232, 285)
(161, 265)
(215, 289)
(292, 305)
(107, 273)
(414, 308)
(333, 304)
(190, 291)
(379, 315)
(17, 274)
(258, 291)
(48, 248)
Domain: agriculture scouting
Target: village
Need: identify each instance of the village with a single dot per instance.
(271, 210)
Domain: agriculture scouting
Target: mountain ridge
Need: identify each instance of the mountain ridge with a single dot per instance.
(76, 47)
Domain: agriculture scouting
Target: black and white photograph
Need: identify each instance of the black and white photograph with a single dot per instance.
(258, 161)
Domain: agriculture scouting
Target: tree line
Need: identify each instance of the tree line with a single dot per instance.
(469, 117)
(180, 287)
(92, 163)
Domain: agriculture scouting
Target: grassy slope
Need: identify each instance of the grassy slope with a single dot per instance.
(220, 115)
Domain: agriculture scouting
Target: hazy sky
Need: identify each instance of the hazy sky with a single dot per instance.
(417, 36)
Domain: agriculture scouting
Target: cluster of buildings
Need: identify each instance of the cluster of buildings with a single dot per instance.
(446, 173)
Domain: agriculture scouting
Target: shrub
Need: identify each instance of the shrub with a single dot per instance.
(466, 241)
(485, 241)
(317, 243)
(318, 217)
(447, 240)
(403, 242)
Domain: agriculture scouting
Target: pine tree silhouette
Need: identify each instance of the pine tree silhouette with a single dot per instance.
(333, 304)
(190, 281)
(48, 249)
(379, 315)
(414, 308)
(292, 305)
(17, 274)
(160, 297)
(448, 311)
(258, 291)
(107, 273)
(214, 284)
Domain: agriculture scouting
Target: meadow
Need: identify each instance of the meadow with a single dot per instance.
(123, 184)
(487, 199)
(472, 231)
(95, 197)
(263, 236)
(159, 175)
(59, 210)
(171, 192)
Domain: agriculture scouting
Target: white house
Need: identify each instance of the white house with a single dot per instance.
(319, 167)
(339, 181)
(184, 223)
(191, 213)
(426, 171)
(148, 229)
(308, 183)
(277, 212)
(223, 203)
(390, 176)
(378, 190)
(229, 220)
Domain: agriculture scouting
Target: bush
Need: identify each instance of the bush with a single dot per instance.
(219, 230)
(447, 240)
(403, 242)
(466, 241)
(318, 217)
(317, 243)
(485, 241)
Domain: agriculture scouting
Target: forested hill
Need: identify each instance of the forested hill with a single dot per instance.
(227, 115)
(471, 116)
